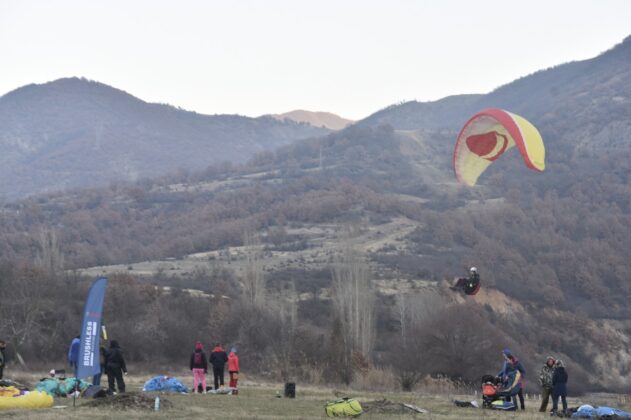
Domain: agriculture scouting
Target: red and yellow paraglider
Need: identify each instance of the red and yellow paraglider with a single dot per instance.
(487, 136)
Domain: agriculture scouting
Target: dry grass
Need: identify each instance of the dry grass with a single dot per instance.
(259, 401)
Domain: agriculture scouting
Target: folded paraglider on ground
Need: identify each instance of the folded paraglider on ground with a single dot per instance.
(164, 384)
(17, 396)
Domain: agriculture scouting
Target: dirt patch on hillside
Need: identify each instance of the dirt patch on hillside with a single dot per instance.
(129, 401)
(388, 407)
(499, 302)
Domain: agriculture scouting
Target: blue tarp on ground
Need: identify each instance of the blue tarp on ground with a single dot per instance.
(164, 384)
(589, 412)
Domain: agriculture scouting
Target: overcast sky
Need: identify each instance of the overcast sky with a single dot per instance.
(270, 56)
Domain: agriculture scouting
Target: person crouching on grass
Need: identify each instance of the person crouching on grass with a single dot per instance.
(199, 366)
(233, 370)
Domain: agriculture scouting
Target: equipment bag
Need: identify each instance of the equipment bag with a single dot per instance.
(503, 405)
(345, 407)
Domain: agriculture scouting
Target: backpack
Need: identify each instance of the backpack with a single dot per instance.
(198, 359)
(489, 390)
(345, 407)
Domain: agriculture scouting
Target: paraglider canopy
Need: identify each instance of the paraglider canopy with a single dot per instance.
(487, 136)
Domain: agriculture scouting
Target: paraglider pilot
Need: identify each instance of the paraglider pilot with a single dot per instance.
(469, 285)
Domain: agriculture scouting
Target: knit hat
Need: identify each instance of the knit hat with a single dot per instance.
(199, 345)
(233, 350)
(507, 353)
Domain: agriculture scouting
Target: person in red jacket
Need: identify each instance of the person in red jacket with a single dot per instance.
(199, 366)
(218, 358)
(233, 370)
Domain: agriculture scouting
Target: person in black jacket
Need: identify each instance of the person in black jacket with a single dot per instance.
(115, 367)
(3, 346)
(199, 366)
(559, 387)
(468, 285)
(218, 358)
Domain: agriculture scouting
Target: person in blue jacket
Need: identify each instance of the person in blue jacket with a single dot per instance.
(512, 364)
(73, 352)
(559, 387)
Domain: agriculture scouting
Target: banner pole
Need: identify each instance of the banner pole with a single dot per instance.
(88, 361)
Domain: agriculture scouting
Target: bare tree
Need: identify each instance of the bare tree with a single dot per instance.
(23, 313)
(288, 321)
(401, 308)
(254, 277)
(353, 299)
(412, 310)
(49, 258)
(289, 306)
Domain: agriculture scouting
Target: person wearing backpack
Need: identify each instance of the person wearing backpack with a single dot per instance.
(233, 370)
(199, 366)
(218, 358)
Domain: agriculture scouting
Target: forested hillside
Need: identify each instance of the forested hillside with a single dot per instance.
(78, 133)
(269, 244)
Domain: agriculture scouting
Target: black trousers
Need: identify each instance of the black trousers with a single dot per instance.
(555, 402)
(1, 372)
(218, 374)
(521, 399)
(520, 394)
(115, 374)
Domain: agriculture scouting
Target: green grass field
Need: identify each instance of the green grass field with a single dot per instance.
(259, 401)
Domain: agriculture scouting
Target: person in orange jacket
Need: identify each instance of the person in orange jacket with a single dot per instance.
(233, 369)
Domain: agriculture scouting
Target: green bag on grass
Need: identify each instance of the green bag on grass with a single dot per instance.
(344, 407)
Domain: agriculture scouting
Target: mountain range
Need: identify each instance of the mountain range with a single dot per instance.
(78, 133)
(588, 87)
